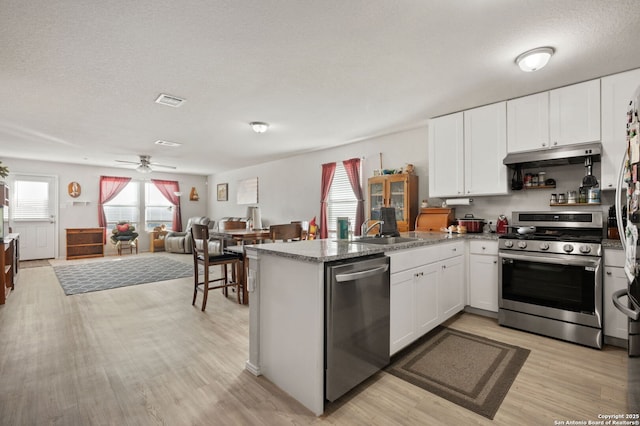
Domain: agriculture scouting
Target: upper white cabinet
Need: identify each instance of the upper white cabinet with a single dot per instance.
(574, 113)
(565, 116)
(466, 150)
(528, 123)
(485, 146)
(446, 155)
(617, 91)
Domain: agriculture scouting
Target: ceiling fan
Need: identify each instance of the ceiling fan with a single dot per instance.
(144, 165)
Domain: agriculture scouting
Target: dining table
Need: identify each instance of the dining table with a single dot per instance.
(241, 237)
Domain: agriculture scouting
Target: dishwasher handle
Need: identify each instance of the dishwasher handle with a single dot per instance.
(361, 274)
(631, 313)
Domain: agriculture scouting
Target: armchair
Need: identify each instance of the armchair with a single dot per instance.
(180, 242)
(124, 236)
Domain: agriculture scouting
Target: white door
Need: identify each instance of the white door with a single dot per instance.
(32, 214)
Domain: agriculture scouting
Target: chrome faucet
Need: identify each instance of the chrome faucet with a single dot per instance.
(364, 229)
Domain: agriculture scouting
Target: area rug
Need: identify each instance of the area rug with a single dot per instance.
(471, 371)
(104, 275)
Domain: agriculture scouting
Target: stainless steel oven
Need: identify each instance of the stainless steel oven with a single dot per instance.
(550, 280)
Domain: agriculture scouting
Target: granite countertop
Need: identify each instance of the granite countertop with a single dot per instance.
(611, 244)
(330, 249)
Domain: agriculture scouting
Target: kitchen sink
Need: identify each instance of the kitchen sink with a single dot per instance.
(384, 240)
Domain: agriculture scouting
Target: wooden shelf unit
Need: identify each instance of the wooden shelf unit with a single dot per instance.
(84, 242)
(573, 204)
(8, 266)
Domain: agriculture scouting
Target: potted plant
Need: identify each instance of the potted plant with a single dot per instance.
(4, 171)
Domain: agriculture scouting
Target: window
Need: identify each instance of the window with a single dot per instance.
(31, 200)
(125, 206)
(158, 210)
(342, 202)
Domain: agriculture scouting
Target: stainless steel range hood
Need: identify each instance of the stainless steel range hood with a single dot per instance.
(562, 155)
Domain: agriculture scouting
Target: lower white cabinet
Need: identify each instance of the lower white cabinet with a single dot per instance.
(483, 275)
(615, 322)
(427, 288)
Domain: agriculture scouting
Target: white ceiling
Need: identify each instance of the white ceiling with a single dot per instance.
(79, 78)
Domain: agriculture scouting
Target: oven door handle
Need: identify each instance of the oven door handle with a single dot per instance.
(543, 258)
(631, 313)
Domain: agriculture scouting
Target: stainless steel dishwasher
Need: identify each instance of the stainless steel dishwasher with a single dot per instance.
(356, 322)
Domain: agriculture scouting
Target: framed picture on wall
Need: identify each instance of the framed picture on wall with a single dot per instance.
(223, 192)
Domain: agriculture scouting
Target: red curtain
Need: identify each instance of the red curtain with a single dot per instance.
(168, 188)
(110, 186)
(352, 167)
(327, 177)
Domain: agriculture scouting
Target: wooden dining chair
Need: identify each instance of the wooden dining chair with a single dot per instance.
(286, 232)
(207, 253)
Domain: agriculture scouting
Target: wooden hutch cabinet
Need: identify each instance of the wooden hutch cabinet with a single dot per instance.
(398, 191)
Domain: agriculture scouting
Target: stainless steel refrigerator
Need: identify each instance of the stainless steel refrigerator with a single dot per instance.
(628, 201)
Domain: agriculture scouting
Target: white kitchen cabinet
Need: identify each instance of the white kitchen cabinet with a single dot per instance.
(446, 155)
(615, 322)
(414, 305)
(427, 288)
(528, 123)
(574, 113)
(485, 146)
(450, 287)
(565, 116)
(466, 150)
(483, 275)
(617, 91)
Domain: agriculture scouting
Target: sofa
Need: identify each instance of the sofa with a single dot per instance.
(180, 242)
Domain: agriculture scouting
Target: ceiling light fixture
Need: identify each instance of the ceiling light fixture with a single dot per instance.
(259, 127)
(144, 168)
(535, 59)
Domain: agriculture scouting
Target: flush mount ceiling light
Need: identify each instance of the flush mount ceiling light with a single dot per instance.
(534, 59)
(259, 127)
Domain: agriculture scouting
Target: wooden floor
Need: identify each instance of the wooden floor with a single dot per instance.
(142, 355)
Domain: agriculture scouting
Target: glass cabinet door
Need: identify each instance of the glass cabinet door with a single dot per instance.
(376, 199)
(397, 198)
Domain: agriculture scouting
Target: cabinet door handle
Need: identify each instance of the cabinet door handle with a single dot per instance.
(495, 261)
(609, 273)
(453, 249)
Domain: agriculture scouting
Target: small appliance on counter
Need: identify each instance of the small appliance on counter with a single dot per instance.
(433, 219)
(389, 226)
(501, 226)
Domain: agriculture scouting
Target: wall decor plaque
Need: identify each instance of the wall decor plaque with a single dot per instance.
(74, 189)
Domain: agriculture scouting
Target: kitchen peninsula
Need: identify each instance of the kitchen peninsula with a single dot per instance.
(287, 301)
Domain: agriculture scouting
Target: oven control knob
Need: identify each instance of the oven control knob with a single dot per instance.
(544, 246)
(522, 244)
(585, 249)
(508, 243)
(568, 248)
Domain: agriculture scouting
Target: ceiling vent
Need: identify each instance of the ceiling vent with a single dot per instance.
(168, 100)
(167, 143)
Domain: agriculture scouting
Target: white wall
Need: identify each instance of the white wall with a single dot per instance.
(289, 189)
(70, 216)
